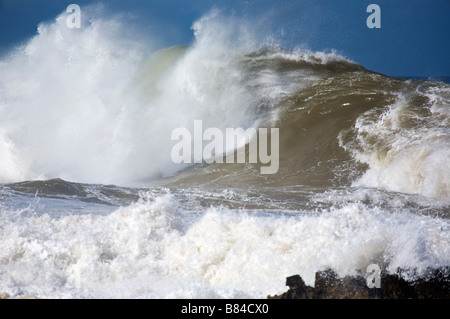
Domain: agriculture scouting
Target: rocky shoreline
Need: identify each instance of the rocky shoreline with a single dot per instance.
(435, 284)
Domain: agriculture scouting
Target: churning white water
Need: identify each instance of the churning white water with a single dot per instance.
(152, 249)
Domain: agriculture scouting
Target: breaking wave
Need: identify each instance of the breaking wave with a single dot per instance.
(91, 204)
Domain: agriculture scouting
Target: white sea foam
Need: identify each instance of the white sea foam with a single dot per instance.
(405, 157)
(153, 249)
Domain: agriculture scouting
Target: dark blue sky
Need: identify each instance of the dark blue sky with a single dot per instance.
(414, 38)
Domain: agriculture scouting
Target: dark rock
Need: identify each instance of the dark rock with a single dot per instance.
(328, 285)
(395, 287)
(355, 288)
(435, 285)
(297, 289)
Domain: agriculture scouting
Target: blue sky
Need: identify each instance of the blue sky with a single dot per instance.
(414, 38)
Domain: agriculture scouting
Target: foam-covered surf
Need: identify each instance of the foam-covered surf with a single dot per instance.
(91, 204)
(154, 249)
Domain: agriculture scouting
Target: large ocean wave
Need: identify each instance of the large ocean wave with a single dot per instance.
(91, 204)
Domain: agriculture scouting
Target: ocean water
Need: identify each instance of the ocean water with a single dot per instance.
(92, 205)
